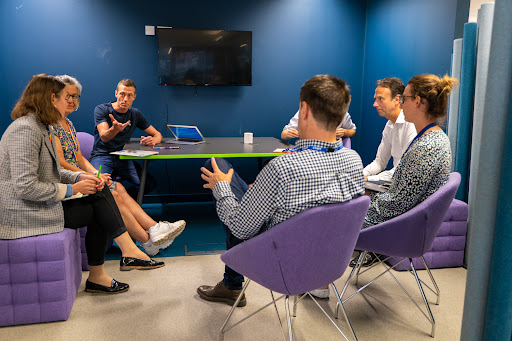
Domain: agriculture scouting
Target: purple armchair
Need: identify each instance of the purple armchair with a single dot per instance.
(408, 236)
(39, 277)
(305, 252)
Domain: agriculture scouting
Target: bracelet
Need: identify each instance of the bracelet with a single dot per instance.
(95, 172)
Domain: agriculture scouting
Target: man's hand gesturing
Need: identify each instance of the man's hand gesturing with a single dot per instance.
(212, 178)
(116, 126)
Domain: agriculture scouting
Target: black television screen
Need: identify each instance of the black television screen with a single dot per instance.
(204, 57)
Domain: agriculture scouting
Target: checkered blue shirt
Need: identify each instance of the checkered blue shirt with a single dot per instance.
(290, 184)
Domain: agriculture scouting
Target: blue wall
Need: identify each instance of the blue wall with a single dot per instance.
(102, 41)
(404, 38)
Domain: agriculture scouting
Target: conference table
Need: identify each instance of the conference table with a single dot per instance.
(225, 147)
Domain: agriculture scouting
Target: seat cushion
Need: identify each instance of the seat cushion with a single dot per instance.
(39, 277)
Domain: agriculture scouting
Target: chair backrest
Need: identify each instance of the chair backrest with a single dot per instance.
(305, 252)
(412, 233)
(86, 141)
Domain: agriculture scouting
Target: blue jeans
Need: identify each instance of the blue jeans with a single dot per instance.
(232, 279)
(111, 164)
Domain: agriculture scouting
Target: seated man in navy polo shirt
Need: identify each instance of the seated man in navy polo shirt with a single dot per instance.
(114, 125)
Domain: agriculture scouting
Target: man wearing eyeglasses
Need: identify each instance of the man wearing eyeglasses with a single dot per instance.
(396, 137)
(114, 125)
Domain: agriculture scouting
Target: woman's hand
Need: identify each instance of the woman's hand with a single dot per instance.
(88, 184)
(106, 179)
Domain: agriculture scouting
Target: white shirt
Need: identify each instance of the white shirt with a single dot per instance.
(346, 123)
(396, 137)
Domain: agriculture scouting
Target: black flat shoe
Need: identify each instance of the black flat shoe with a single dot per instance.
(130, 263)
(115, 288)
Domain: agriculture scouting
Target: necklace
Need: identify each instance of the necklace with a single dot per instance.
(71, 141)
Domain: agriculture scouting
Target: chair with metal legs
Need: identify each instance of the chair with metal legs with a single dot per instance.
(307, 251)
(407, 236)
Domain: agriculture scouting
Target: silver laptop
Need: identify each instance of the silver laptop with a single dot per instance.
(185, 134)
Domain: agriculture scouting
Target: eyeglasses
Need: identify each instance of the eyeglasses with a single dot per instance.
(402, 98)
(76, 98)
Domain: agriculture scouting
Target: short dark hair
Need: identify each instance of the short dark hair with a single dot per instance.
(395, 85)
(37, 99)
(328, 97)
(126, 82)
(434, 91)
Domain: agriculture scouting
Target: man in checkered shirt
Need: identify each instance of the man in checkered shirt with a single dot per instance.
(319, 172)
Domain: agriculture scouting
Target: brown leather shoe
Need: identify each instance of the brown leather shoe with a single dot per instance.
(220, 293)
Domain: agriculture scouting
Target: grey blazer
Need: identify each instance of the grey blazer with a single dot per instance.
(32, 182)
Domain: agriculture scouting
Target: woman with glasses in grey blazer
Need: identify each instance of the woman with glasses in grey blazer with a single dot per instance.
(34, 188)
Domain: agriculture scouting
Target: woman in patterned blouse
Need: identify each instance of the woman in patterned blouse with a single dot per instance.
(153, 236)
(426, 164)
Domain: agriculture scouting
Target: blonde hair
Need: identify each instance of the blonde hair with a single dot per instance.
(37, 99)
(435, 91)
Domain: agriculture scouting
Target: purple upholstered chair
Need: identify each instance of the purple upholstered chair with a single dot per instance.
(39, 277)
(303, 253)
(86, 141)
(408, 236)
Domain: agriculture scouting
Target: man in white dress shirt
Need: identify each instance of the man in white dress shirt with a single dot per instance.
(397, 134)
(347, 128)
(396, 137)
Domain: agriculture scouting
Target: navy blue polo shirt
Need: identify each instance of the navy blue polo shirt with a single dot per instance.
(101, 114)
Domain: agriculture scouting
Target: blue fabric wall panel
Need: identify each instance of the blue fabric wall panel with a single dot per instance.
(485, 14)
(453, 110)
(488, 298)
(466, 101)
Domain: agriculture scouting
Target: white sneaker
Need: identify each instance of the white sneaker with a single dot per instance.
(165, 230)
(152, 249)
(320, 293)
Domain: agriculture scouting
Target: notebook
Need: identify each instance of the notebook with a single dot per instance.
(185, 134)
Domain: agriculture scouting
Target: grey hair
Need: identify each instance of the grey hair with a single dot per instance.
(66, 79)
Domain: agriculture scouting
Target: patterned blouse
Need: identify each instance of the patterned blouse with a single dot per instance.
(421, 171)
(68, 141)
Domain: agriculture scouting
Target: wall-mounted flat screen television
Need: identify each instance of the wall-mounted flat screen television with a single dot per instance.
(204, 57)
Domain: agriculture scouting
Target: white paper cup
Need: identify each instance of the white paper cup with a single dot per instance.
(248, 137)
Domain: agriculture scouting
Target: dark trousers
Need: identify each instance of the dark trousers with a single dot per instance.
(232, 279)
(100, 214)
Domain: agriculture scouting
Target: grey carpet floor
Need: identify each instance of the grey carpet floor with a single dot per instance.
(162, 304)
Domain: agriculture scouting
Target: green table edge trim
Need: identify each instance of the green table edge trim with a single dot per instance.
(197, 156)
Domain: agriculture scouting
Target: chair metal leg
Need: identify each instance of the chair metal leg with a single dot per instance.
(432, 321)
(359, 258)
(362, 255)
(438, 292)
(277, 313)
(288, 317)
(340, 304)
(222, 331)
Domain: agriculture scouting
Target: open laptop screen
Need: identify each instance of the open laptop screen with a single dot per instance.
(186, 132)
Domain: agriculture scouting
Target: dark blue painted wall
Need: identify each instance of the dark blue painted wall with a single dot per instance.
(102, 41)
(404, 38)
